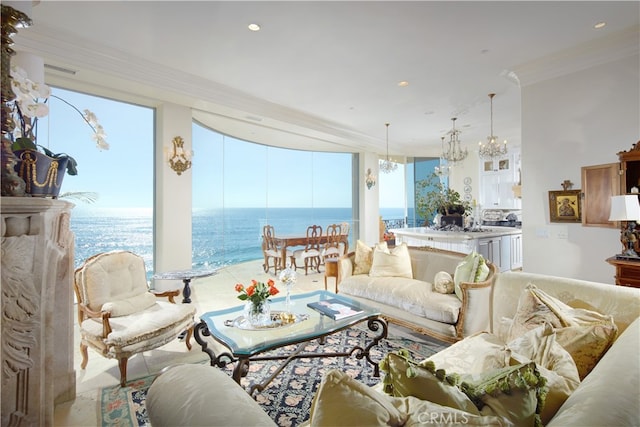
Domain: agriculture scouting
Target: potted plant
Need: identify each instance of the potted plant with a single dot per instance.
(432, 197)
(40, 168)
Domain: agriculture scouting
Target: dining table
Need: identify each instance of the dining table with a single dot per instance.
(286, 241)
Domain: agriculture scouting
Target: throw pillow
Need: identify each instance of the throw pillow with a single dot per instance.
(423, 413)
(478, 353)
(393, 263)
(134, 304)
(343, 401)
(554, 363)
(364, 256)
(472, 268)
(515, 393)
(405, 377)
(585, 334)
(443, 283)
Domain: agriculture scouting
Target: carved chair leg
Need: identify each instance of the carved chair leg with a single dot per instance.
(122, 364)
(187, 339)
(85, 356)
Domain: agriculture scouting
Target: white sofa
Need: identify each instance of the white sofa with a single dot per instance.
(414, 304)
(607, 396)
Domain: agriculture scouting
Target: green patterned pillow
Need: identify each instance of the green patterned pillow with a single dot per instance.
(405, 377)
(472, 268)
(515, 393)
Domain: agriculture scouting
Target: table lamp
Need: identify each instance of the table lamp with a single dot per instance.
(626, 209)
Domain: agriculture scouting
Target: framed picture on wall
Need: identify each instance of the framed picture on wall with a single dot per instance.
(564, 206)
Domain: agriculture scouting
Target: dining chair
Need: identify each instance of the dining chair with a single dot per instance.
(271, 250)
(311, 254)
(332, 243)
(117, 313)
(345, 227)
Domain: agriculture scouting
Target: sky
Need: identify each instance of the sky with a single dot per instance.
(250, 175)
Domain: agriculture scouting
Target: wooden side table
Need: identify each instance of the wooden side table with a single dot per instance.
(330, 270)
(627, 272)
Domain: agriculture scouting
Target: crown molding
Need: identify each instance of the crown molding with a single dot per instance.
(149, 83)
(587, 55)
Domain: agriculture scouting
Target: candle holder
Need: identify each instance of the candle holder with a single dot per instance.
(288, 278)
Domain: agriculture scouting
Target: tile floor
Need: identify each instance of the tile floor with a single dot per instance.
(211, 293)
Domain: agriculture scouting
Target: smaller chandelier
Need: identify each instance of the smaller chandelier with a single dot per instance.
(454, 153)
(443, 169)
(387, 166)
(492, 148)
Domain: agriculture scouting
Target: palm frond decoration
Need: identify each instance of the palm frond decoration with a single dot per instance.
(82, 196)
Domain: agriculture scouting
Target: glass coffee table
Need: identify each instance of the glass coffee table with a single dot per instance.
(246, 344)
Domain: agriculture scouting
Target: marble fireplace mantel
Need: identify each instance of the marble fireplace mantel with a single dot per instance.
(37, 303)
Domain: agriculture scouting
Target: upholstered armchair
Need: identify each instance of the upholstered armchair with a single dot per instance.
(119, 316)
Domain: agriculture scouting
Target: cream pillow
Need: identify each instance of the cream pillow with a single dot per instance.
(343, 401)
(364, 256)
(554, 363)
(423, 413)
(405, 377)
(391, 263)
(585, 334)
(515, 393)
(134, 304)
(473, 355)
(443, 283)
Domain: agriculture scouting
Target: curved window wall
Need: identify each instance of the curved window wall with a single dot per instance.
(240, 186)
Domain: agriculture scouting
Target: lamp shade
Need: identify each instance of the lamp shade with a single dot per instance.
(625, 208)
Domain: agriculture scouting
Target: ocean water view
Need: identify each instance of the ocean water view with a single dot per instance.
(220, 236)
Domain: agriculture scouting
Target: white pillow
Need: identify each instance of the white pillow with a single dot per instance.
(391, 263)
(443, 283)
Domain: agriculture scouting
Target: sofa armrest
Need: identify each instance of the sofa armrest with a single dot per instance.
(476, 302)
(345, 266)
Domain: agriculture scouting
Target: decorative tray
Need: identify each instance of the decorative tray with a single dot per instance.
(279, 319)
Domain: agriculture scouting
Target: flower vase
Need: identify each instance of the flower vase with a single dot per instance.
(258, 314)
(42, 174)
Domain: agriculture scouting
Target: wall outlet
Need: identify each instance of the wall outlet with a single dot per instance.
(542, 232)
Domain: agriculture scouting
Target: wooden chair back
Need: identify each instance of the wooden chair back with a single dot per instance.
(314, 235)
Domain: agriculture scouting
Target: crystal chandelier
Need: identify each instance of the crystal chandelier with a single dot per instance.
(387, 166)
(443, 169)
(454, 153)
(492, 148)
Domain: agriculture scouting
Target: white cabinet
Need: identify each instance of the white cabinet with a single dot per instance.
(490, 249)
(500, 250)
(505, 253)
(497, 180)
(516, 251)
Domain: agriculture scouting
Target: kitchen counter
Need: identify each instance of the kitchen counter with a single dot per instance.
(500, 245)
(424, 233)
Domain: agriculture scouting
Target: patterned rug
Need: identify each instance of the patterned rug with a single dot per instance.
(288, 397)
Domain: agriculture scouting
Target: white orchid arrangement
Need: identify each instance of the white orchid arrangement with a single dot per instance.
(30, 104)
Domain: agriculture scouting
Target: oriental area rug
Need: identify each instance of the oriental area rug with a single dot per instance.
(287, 399)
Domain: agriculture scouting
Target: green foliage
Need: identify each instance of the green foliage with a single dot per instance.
(433, 197)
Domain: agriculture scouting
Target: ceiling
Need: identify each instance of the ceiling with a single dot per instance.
(324, 75)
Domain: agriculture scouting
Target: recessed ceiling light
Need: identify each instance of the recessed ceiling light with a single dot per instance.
(600, 25)
(403, 83)
(254, 27)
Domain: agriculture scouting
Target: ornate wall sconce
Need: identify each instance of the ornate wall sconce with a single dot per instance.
(370, 179)
(179, 159)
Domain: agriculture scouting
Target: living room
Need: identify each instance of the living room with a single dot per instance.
(578, 107)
